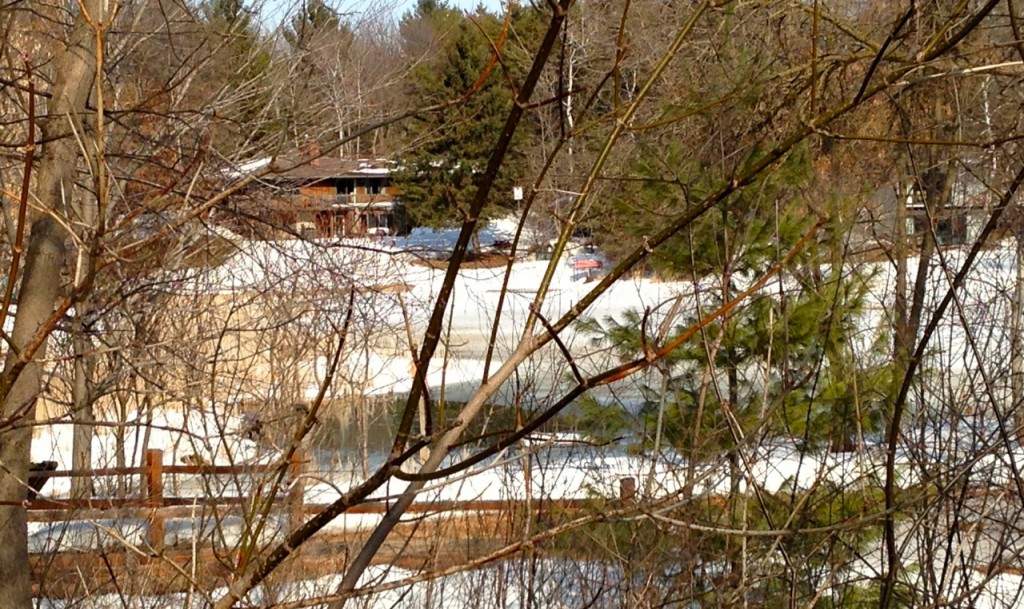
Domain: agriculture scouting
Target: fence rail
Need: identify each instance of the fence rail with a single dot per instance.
(155, 506)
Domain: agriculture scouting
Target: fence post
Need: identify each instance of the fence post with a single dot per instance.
(297, 491)
(154, 482)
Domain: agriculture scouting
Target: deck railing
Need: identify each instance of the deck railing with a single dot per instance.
(328, 201)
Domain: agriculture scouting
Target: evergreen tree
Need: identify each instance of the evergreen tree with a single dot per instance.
(449, 147)
(787, 354)
(241, 66)
(421, 28)
(781, 367)
(316, 24)
(230, 17)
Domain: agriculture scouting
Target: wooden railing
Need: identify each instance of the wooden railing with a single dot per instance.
(153, 503)
(155, 506)
(358, 201)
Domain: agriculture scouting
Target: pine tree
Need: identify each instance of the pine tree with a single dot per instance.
(421, 28)
(315, 24)
(781, 368)
(229, 17)
(787, 353)
(449, 147)
(241, 66)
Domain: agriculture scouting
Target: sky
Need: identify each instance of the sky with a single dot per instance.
(491, 5)
(274, 9)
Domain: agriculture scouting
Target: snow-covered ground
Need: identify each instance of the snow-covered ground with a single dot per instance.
(295, 267)
(971, 337)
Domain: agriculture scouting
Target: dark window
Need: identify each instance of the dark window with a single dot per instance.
(379, 220)
(371, 187)
(345, 187)
(949, 230)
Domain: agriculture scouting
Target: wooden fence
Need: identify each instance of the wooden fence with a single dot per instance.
(153, 504)
(156, 506)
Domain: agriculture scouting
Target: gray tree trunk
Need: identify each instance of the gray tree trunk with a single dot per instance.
(39, 290)
(74, 68)
(82, 406)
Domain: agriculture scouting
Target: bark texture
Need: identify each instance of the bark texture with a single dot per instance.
(74, 70)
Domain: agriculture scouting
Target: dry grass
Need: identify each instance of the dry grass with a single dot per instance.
(473, 261)
(426, 543)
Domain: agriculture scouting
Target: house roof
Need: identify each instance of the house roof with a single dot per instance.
(295, 168)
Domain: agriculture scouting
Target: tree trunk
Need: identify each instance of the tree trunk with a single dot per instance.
(39, 290)
(901, 342)
(82, 407)
(74, 69)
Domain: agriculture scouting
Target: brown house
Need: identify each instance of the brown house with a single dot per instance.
(328, 198)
